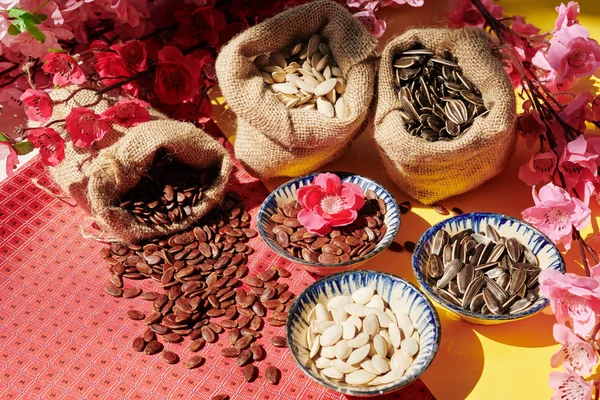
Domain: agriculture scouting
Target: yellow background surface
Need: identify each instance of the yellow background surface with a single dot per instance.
(508, 361)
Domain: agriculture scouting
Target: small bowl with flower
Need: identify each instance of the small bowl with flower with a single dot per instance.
(329, 222)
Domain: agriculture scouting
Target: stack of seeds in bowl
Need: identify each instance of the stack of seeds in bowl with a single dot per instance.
(438, 101)
(483, 272)
(304, 76)
(360, 340)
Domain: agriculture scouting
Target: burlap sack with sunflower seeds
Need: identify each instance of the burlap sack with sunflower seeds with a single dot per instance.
(432, 171)
(272, 140)
(97, 176)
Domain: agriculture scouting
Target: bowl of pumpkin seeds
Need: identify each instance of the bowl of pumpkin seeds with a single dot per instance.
(484, 267)
(363, 333)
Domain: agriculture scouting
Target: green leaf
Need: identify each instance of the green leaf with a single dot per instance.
(36, 33)
(14, 30)
(23, 148)
(40, 17)
(51, 50)
(16, 12)
(3, 138)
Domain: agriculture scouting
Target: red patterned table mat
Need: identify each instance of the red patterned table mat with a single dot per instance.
(62, 336)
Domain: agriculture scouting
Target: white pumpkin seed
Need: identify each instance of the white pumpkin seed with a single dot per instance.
(321, 90)
(324, 48)
(385, 334)
(261, 61)
(267, 77)
(342, 350)
(376, 302)
(356, 309)
(362, 295)
(343, 367)
(278, 59)
(371, 324)
(401, 360)
(331, 335)
(322, 313)
(325, 108)
(349, 330)
(380, 345)
(341, 109)
(337, 71)
(395, 335)
(332, 372)
(323, 363)
(327, 352)
(359, 354)
(404, 323)
(360, 340)
(316, 346)
(340, 315)
(313, 44)
(286, 87)
(310, 337)
(321, 326)
(368, 366)
(338, 302)
(410, 346)
(356, 321)
(380, 364)
(392, 376)
(359, 377)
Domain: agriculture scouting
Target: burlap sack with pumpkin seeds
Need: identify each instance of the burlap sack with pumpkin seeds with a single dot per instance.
(432, 171)
(272, 140)
(97, 176)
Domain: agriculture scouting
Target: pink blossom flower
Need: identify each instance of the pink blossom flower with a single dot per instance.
(540, 168)
(530, 125)
(576, 354)
(328, 202)
(10, 156)
(367, 18)
(570, 386)
(127, 112)
(596, 109)
(50, 143)
(578, 163)
(567, 15)
(4, 24)
(574, 299)
(29, 46)
(466, 14)
(578, 111)
(85, 126)
(64, 68)
(39, 105)
(556, 213)
(127, 12)
(176, 76)
(133, 53)
(519, 25)
(572, 53)
(111, 67)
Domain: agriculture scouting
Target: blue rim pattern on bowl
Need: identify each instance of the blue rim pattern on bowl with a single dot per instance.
(534, 239)
(287, 193)
(416, 304)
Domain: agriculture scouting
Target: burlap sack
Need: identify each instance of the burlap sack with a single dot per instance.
(97, 176)
(272, 140)
(431, 171)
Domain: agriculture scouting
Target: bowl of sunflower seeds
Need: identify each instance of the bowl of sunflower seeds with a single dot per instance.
(484, 267)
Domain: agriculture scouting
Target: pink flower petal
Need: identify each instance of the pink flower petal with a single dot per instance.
(330, 183)
(345, 217)
(302, 192)
(314, 223)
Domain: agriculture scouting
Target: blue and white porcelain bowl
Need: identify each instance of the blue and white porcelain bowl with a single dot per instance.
(547, 253)
(286, 193)
(390, 288)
